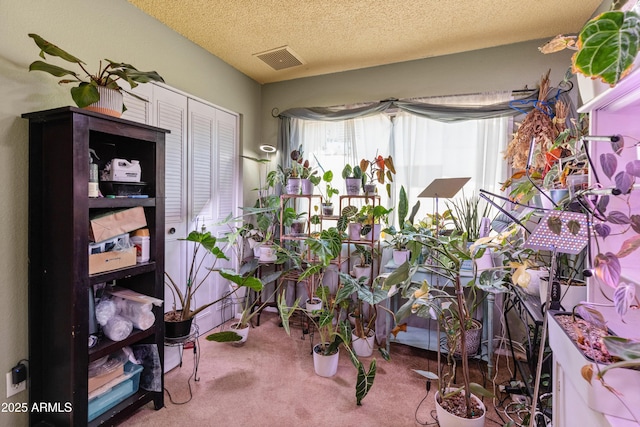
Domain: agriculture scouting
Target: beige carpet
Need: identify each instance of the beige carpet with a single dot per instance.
(270, 381)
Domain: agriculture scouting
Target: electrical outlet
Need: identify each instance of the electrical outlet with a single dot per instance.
(14, 388)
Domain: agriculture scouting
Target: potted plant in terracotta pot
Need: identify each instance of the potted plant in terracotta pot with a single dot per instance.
(91, 88)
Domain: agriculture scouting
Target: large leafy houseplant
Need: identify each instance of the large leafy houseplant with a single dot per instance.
(606, 46)
(206, 253)
(108, 75)
(324, 248)
(446, 254)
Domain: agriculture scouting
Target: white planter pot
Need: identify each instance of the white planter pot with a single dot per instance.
(110, 102)
(327, 209)
(370, 189)
(298, 227)
(353, 186)
(364, 346)
(354, 230)
(325, 366)
(268, 253)
(374, 234)
(294, 186)
(570, 295)
(361, 271)
(447, 419)
(624, 381)
(534, 282)
(556, 194)
(306, 187)
(352, 319)
(400, 256)
(244, 333)
(590, 88)
(315, 304)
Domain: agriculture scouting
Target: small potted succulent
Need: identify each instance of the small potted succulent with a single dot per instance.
(91, 91)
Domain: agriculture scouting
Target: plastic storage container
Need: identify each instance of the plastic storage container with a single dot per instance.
(127, 387)
(141, 240)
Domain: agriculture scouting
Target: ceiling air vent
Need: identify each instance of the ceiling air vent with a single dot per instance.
(280, 58)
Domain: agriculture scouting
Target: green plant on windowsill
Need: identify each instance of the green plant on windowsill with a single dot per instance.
(400, 238)
(379, 170)
(108, 75)
(466, 214)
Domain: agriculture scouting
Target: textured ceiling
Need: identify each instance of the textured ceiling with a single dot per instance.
(338, 35)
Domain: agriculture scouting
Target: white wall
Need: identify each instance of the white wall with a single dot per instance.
(91, 30)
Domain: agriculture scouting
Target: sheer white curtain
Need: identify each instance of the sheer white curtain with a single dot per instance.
(426, 149)
(332, 144)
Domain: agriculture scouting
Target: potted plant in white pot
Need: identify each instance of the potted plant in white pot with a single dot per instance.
(332, 332)
(399, 238)
(250, 307)
(353, 178)
(330, 191)
(606, 46)
(99, 92)
(446, 256)
(380, 170)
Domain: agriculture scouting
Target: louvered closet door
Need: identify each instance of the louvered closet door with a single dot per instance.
(212, 155)
(170, 112)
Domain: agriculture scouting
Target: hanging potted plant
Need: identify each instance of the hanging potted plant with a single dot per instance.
(99, 92)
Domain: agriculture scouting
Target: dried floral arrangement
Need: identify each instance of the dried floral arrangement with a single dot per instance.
(545, 122)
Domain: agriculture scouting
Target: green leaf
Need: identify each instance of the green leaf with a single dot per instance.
(573, 226)
(365, 381)
(250, 282)
(555, 224)
(608, 45)
(51, 69)
(224, 336)
(427, 374)
(403, 207)
(85, 94)
(478, 390)
(53, 50)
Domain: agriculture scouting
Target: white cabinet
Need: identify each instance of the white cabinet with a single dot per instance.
(201, 176)
(615, 112)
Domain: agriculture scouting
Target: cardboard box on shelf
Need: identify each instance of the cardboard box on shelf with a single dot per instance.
(106, 261)
(100, 380)
(104, 227)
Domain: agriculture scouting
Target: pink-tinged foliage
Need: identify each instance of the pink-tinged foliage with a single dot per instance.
(607, 269)
(609, 164)
(623, 297)
(629, 246)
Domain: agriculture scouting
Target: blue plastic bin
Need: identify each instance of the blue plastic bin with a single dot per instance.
(101, 404)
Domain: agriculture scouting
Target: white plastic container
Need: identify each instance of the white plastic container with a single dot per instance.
(125, 171)
(141, 240)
